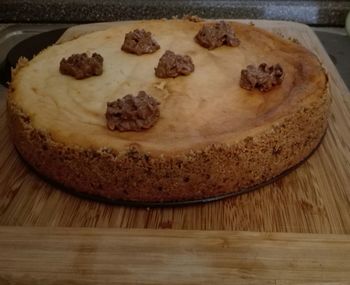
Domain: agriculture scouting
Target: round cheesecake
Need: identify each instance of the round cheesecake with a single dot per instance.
(212, 136)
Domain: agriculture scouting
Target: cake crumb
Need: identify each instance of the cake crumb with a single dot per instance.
(22, 61)
(294, 40)
(192, 18)
(160, 85)
(280, 35)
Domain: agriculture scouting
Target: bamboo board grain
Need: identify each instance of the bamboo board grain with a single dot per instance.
(313, 199)
(114, 256)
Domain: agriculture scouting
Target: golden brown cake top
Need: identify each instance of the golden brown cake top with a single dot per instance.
(204, 107)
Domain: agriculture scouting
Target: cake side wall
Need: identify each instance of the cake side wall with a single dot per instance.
(196, 174)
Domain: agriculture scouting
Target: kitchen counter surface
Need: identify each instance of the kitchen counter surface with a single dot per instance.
(331, 13)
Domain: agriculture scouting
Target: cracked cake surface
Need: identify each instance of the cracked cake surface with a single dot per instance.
(212, 136)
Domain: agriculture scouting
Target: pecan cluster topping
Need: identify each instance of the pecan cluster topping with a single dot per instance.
(262, 78)
(215, 35)
(171, 65)
(82, 66)
(132, 113)
(139, 42)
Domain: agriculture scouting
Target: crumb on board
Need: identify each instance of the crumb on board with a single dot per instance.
(292, 39)
(280, 34)
(192, 18)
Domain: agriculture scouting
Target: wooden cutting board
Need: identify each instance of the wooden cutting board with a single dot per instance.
(315, 198)
(90, 256)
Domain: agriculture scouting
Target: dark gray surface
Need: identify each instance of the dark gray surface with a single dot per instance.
(338, 48)
(330, 13)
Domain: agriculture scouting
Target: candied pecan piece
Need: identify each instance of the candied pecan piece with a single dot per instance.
(172, 65)
(215, 35)
(132, 113)
(262, 78)
(82, 66)
(139, 42)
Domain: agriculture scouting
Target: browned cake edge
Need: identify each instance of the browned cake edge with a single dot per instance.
(213, 170)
